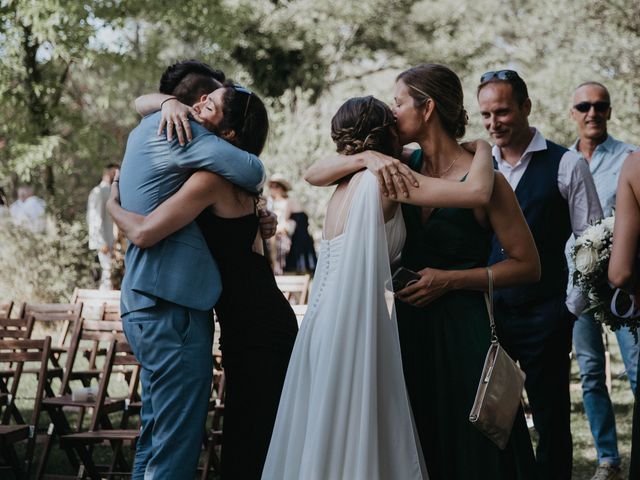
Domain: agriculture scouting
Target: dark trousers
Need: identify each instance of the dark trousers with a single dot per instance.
(539, 337)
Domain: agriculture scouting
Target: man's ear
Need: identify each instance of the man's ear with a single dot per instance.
(526, 107)
(228, 135)
(203, 98)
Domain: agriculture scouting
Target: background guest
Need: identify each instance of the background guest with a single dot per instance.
(28, 210)
(279, 202)
(604, 154)
(294, 222)
(100, 225)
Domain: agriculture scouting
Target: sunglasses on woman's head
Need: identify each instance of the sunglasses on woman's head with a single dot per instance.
(584, 107)
(499, 75)
(241, 89)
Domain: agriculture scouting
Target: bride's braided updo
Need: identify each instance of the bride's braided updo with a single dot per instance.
(364, 123)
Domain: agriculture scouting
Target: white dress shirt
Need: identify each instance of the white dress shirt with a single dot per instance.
(99, 221)
(576, 186)
(606, 163)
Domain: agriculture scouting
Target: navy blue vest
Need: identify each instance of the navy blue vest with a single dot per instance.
(547, 214)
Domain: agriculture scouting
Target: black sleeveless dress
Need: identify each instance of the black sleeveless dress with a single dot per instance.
(258, 329)
(302, 255)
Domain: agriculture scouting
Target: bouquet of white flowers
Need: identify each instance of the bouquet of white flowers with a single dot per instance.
(590, 256)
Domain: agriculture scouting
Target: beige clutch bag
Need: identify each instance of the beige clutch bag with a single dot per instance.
(500, 388)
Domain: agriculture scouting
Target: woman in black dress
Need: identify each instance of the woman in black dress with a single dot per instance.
(258, 326)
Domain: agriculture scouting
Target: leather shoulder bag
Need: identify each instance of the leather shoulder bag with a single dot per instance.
(500, 389)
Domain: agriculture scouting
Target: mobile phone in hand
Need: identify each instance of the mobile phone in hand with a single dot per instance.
(403, 277)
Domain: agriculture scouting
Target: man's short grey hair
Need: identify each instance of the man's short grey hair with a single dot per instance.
(595, 84)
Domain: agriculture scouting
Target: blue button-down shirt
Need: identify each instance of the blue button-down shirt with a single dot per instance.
(605, 166)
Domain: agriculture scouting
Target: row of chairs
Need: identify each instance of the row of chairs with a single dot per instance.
(82, 344)
(85, 353)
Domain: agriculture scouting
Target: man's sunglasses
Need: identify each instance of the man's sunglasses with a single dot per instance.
(584, 107)
(507, 75)
(241, 89)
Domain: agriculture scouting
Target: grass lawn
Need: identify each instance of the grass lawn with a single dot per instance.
(584, 451)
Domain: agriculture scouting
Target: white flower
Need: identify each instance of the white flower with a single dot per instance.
(586, 260)
(608, 223)
(595, 234)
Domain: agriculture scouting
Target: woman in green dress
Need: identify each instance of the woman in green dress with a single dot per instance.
(442, 318)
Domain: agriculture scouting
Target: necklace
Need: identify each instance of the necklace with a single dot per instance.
(439, 175)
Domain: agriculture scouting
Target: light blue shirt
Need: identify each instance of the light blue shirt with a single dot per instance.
(605, 166)
(178, 269)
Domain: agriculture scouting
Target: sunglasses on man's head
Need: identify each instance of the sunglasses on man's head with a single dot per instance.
(499, 75)
(584, 107)
(241, 89)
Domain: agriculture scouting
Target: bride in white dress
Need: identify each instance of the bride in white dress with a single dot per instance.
(344, 411)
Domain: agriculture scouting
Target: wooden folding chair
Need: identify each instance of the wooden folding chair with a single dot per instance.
(13, 329)
(124, 364)
(213, 434)
(5, 309)
(16, 328)
(82, 443)
(85, 331)
(14, 352)
(98, 304)
(59, 316)
(294, 287)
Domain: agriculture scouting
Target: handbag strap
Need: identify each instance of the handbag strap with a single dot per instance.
(488, 298)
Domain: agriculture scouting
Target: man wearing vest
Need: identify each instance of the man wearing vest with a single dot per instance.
(557, 196)
(604, 154)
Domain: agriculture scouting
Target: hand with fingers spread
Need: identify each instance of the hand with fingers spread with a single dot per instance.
(393, 175)
(433, 284)
(175, 117)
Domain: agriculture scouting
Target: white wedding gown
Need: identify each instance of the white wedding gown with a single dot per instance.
(344, 413)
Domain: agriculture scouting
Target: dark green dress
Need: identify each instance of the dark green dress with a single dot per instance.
(443, 349)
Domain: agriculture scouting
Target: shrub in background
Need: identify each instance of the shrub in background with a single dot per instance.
(44, 267)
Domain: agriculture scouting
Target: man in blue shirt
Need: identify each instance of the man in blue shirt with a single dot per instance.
(604, 155)
(169, 290)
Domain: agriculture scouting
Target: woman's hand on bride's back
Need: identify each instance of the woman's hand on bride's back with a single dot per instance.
(393, 175)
